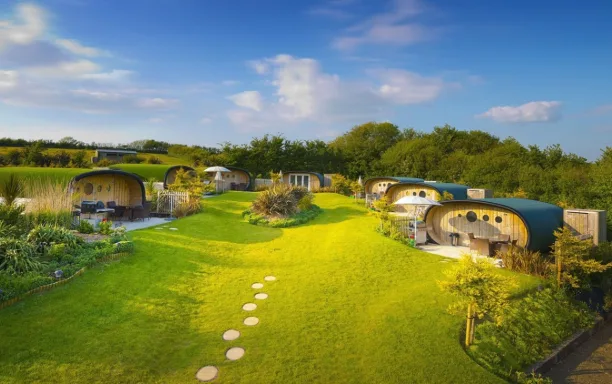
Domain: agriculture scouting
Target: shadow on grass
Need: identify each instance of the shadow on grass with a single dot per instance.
(337, 215)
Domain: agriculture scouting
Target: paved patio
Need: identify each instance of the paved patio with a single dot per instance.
(445, 250)
(134, 225)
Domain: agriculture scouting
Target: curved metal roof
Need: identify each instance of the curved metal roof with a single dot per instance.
(318, 175)
(541, 219)
(115, 172)
(184, 167)
(399, 179)
(458, 191)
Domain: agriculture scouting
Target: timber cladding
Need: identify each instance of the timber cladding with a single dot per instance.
(480, 219)
(378, 185)
(121, 187)
(423, 190)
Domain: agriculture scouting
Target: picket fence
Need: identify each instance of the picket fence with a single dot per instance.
(167, 201)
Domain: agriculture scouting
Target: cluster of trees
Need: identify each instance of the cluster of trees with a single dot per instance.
(148, 146)
(35, 155)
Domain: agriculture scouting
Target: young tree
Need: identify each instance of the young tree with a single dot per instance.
(573, 260)
(479, 288)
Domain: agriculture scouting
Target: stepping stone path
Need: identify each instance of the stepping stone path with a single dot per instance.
(257, 286)
(251, 321)
(174, 229)
(249, 307)
(269, 278)
(208, 373)
(231, 334)
(261, 296)
(158, 228)
(234, 353)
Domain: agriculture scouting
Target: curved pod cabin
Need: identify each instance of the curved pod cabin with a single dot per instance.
(378, 185)
(238, 179)
(309, 180)
(531, 223)
(170, 175)
(428, 190)
(124, 188)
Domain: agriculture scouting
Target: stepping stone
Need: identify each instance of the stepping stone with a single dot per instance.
(208, 373)
(174, 229)
(234, 353)
(261, 296)
(231, 334)
(257, 286)
(251, 321)
(158, 228)
(249, 307)
(269, 278)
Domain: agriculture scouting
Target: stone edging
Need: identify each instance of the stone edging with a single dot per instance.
(568, 346)
(46, 287)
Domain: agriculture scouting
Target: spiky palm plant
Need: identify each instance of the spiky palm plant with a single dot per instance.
(11, 189)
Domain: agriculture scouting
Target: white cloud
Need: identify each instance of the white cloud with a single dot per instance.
(77, 48)
(533, 112)
(67, 69)
(206, 120)
(8, 79)
(303, 92)
(393, 27)
(248, 99)
(114, 75)
(261, 67)
(29, 24)
(157, 103)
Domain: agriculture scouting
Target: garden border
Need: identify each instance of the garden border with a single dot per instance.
(568, 346)
(47, 287)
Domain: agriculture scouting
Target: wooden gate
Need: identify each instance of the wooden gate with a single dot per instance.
(168, 200)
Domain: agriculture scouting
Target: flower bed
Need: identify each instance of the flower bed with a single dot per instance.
(283, 222)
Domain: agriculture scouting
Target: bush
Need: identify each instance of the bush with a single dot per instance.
(11, 214)
(261, 188)
(124, 246)
(45, 235)
(118, 234)
(18, 257)
(105, 163)
(85, 227)
(55, 219)
(280, 201)
(154, 160)
(528, 331)
(188, 208)
(525, 261)
(132, 159)
(305, 203)
(297, 219)
(105, 227)
(13, 285)
(11, 189)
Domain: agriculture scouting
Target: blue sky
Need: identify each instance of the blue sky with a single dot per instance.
(207, 71)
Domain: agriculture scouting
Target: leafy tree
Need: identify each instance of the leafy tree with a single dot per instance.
(79, 159)
(479, 288)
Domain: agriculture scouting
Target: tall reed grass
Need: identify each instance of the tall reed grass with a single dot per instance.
(50, 203)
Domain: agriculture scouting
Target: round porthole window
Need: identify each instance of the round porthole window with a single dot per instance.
(498, 219)
(485, 217)
(422, 194)
(413, 193)
(471, 216)
(88, 189)
(99, 188)
(459, 215)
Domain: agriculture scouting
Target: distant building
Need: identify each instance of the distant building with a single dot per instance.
(115, 155)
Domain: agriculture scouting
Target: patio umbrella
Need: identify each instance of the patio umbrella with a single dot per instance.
(360, 181)
(417, 202)
(218, 176)
(280, 176)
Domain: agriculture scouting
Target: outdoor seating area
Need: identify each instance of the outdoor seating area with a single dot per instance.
(111, 211)
(491, 246)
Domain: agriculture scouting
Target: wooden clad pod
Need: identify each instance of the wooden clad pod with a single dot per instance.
(315, 180)
(170, 175)
(237, 178)
(123, 188)
(379, 185)
(531, 223)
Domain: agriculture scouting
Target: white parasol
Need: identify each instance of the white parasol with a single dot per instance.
(218, 176)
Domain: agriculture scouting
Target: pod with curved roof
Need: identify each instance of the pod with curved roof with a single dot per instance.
(531, 223)
(311, 180)
(428, 190)
(238, 179)
(124, 188)
(378, 185)
(170, 175)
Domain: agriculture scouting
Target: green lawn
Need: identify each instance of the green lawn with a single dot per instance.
(64, 174)
(349, 306)
(146, 171)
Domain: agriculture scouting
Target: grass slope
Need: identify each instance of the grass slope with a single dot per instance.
(349, 306)
(64, 174)
(146, 171)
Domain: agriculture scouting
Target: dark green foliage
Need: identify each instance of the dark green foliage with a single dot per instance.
(10, 215)
(18, 257)
(85, 227)
(528, 330)
(296, 219)
(11, 189)
(525, 261)
(105, 227)
(132, 159)
(14, 285)
(280, 201)
(124, 246)
(154, 160)
(45, 235)
(55, 219)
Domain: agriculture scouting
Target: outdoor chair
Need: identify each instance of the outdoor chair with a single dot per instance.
(503, 238)
(503, 248)
(141, 212)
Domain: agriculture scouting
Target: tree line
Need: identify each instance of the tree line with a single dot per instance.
(68, 142)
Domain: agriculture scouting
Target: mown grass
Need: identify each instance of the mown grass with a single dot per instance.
(146, 171)
(56, 174)
(349, 306)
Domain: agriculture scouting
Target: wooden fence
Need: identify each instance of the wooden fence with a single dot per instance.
(168, 200)
(259, 182)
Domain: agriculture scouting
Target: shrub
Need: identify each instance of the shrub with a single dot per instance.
(45, 235)
(305, 203)
(11, 214)
(154, 160)
(297, 219)
(105, 227)
(13, 285)
(118, 234)
(341, 184)
(105, 163)
(525, 261)
(11, 189)
(57, 252)
(261, 188)
(280, 201)
(528, 330)
(85, 227)
(124, 246)
(132, 159)
(18, 257)
(188, 208)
